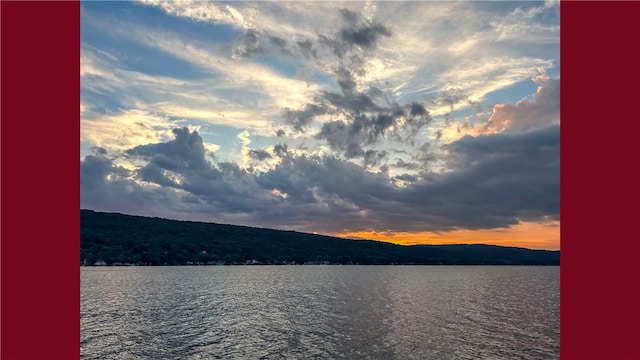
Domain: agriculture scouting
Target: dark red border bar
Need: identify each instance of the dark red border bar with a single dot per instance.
(40, 184)
(600, 274)
(39, 148)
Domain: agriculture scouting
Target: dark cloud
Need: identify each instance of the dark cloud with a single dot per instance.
(105, 186)
(97, 150)
(278, 42)
(344, 137)
(374, 157)
(355, 33)
(452, 97)
(280, 149)
(360, 117)
(511, 179)
(155, 173)
(438, 134)
(498, 180)
(492, 181)
(351, 103)
(259, 155)
(349, 16)
(300, 119)
(337, 47)
(381, 98)
(173, 177)
(346, 81)
(254, 42)
(401, 164)
(96, 169)
(248, 44)
(367, 124)
(186, 151)
(417, 109)
(307, 49)
(365, 36)
(407, 177)
(424, 156)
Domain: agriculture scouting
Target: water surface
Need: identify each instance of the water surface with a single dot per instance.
(324, 312)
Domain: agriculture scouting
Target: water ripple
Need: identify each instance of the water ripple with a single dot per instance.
(320, 312)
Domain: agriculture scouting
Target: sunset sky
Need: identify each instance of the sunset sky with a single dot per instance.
(410, 122)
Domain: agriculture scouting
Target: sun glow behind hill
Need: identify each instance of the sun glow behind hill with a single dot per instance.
(529, 235)
(408, 122)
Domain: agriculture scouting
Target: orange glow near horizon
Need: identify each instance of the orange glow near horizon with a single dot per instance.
(525, 234)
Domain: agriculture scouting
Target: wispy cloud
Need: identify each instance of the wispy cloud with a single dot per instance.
(375, 117)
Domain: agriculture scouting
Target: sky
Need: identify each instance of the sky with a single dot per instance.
(409, 122)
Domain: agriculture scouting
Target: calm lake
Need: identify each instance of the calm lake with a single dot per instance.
(324, 312)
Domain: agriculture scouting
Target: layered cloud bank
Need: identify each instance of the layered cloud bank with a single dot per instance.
(397, 121)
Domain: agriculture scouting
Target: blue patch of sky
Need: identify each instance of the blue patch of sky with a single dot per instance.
(259, 142)
(223, 135)
(428, 95)
(460, 111)
(288, 66)
(226, 137)
(281, 64)
(504, 7)
(100, 103)
(154, 17)
(247, 98)
(512, 94)
(496, 7)
(137, 57)
(324, 79)
(85, 149)
(554, 72)
(549, 16)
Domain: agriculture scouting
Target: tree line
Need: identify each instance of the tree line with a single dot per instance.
(118, 239)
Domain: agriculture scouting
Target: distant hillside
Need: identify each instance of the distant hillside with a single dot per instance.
(110, 238)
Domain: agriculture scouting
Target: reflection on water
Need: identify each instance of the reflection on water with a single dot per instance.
(327, 312)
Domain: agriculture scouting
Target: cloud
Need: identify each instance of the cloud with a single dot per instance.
(374, 157)
(411, 64)
(281, 149)
(252, 43)
(123, 130)
(360, 33)
(362, 130)
(185, 152)
(301, 119)
(356, 32)
(542, 110)
(366, 122)
(493, 181)
(222, 75)
(99, 150)
(353, 121)
(364, 116)
(259, 155)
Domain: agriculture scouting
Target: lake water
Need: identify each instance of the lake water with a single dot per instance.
(324, 312)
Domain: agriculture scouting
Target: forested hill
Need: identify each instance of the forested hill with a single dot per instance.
(113, 239)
